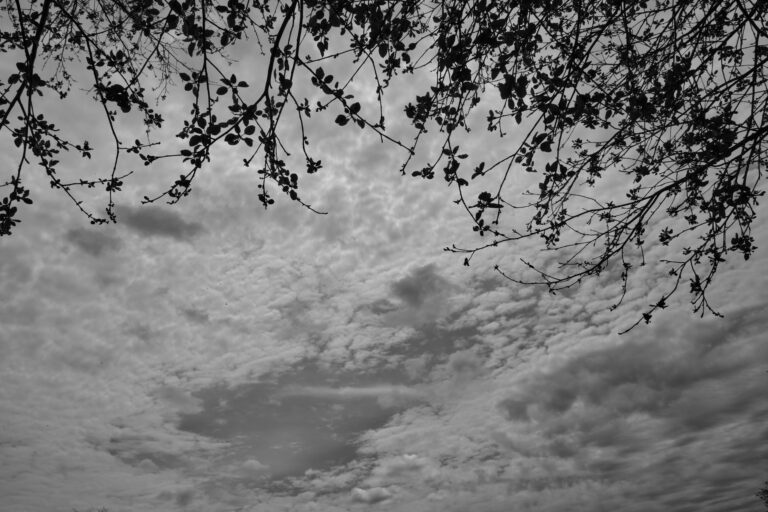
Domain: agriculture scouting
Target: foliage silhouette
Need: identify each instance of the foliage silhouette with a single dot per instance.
(641, 119)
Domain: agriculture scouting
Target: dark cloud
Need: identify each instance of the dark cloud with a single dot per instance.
(306, 418)
(419, 299)
(178, 399)
(145, 452)
(672, 377)
(422, 284)
(157, 221)
(195, 315)
(87, 359)
(141, 451)
(402, 467)
(15, 270)
(381, 307)
(139, 330)
(465, 363)
(91, 241)
(515, 408)
(184, 498)
(681, 388)
(152, 461)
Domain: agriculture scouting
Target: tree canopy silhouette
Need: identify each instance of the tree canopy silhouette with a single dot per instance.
(636, 119)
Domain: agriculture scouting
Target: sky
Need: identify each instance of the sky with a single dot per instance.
(213, 356)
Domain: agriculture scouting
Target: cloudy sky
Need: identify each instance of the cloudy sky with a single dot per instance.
(216, 357)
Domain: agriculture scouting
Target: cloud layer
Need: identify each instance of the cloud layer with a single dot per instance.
(285, 361)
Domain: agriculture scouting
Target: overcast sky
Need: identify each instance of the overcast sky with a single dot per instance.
(216, 357)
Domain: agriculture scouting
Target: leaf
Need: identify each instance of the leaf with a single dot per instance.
(176, 7)
(505, 89)
(341, 120)
(354, 108)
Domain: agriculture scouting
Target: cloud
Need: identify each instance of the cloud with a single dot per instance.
(402, 469)
(158, 221)
(668, 378)
(678, 399)
(676, 409)
(148, 466)
(182, 497)
(645, 423)
(465, 363)
(139, 330)
(386, 395)
(179, 399)
(195, 315)
(253, 466)
(339, 479)
(419, 299)
(420, 285)
(370, 496)
(92, 242)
